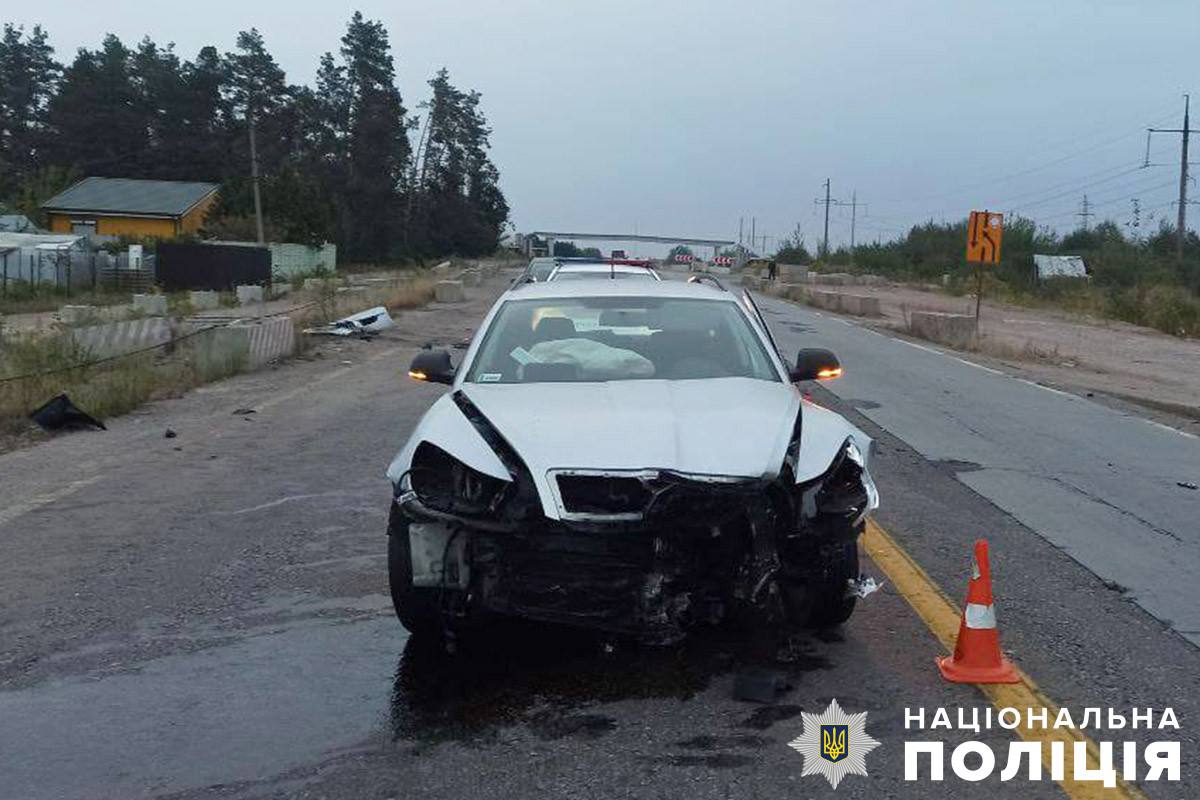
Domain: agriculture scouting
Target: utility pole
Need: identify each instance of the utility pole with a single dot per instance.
(1181, 226)
(258, 223)
(753, 237)
(740, 221)
(825, 240)
(853, 220)
(1085, 212)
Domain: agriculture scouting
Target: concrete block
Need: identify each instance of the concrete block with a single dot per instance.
(114, 338)
(312, 284)
(823, 298)
(956, 330)
(442, 269)
(872, 280)
(860, 305)
(247, 294)
(204, 301)
(471, 277)
(280, 288)
(448, 292)
(793, 273)
(268, 339)
(74, 315)
(796, 292)
(152, 305)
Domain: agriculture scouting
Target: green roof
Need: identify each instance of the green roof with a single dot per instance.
(129, 196)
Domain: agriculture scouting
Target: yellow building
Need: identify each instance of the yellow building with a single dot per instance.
(127, 207)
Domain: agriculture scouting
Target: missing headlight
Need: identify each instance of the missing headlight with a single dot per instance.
(848, 489)
(443, 483)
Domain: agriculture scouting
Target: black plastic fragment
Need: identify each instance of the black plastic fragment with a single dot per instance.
(60, 414)
(759, 685)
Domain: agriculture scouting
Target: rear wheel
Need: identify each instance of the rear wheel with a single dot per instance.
(417, 607)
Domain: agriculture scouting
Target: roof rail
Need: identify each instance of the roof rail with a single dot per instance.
(704, 277)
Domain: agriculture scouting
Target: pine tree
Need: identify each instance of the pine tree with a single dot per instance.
(377, 141)
(96, 117)
(28, 78)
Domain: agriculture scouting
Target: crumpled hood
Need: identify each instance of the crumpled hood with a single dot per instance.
(727, 426)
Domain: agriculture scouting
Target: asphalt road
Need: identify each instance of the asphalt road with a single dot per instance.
(1101, 484)
(206, 615)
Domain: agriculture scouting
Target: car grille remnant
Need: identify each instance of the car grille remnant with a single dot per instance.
(610, 496)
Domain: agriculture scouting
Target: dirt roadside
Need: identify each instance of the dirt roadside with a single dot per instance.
(1076, 353)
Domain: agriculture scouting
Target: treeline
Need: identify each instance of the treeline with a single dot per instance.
(338, 160)
(1138, 279)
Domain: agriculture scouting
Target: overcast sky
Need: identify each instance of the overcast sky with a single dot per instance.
(680, 116)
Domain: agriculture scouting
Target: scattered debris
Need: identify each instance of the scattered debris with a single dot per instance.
(759, 685)
(170, 434)
(364, 324)
(60, 414)
(243, 412)
(862, 587)
(1186, 485)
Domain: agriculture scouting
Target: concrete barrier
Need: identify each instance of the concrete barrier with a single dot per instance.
(115, 338)
(448, 291)
(204, 301)
(860, 305)
(247, 294)
(823, 298)
(471, 277)
(793, 273)
(267, 340)
(957, 330)
(152, 305)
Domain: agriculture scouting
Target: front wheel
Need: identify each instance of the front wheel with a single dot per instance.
(820, 597)
(832, 602)
(417, 607)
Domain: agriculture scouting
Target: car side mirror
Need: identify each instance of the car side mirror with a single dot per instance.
(816, 364)
(432, 366)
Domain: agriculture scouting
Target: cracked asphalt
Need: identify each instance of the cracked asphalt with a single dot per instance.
(207, 616)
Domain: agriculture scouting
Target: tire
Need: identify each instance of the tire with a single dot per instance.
(416, 607)
(830, 605)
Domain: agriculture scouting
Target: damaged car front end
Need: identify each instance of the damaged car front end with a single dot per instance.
(492, 516)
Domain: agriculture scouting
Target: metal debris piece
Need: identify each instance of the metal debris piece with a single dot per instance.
(1186, 485)
(60, 414)
(243, 411)
(170, 434)
(862, 587)
(363, 324)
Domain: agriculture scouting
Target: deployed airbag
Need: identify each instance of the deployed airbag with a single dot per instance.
(596, 361)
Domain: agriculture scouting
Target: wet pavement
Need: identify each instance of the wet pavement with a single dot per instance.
(213, 622)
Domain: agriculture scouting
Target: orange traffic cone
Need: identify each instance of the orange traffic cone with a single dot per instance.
(977, 657)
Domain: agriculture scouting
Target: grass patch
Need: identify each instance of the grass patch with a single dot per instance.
(22, 297)
(113, 387)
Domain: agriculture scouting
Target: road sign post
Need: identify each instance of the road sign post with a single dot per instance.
(985, 231)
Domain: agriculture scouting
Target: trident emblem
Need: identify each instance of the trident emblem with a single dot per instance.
(833, 742)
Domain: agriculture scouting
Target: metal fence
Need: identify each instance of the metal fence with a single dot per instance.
(72, 270)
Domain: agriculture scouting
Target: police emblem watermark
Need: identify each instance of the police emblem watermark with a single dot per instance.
(834, 744)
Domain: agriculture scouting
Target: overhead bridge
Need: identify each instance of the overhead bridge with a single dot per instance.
(550, 237)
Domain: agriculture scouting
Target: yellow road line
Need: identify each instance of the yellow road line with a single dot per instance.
(941, 616)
